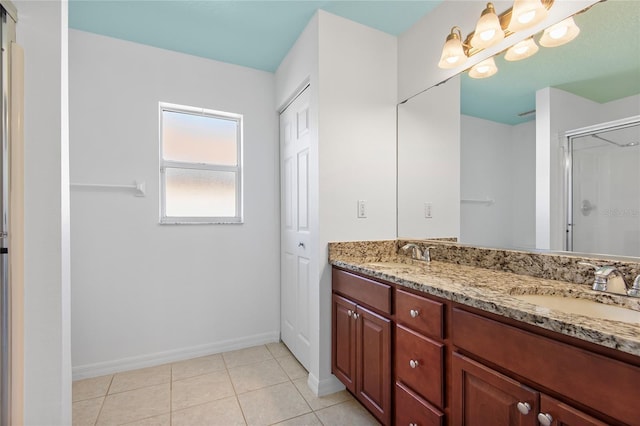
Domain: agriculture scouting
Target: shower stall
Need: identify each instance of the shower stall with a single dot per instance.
(603, 188)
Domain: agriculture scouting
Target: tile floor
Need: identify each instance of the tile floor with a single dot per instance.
(262, 385)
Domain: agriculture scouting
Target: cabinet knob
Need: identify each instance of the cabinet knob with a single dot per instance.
(524, 407)
(413, 424)
(413, 363)
(349, 313)
(545, 419)
(414, 313)
(355, 316)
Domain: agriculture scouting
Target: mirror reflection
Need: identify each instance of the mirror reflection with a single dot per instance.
(496, 174)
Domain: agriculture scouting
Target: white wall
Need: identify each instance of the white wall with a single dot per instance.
(42, 32)
(523, 177)
(353, 94)
(508, 153)
(357, 144)
(429, 163)
(145, 293)
(485, 163)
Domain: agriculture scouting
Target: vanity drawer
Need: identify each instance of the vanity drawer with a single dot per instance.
(362, 290)
(427, 314)
(420, 364)
(413, 410)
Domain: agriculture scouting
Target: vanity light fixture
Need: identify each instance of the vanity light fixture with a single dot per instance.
(488, 30)
(483, 69)
(525, 14)
(521, 50)
(453, 53)
(560, 33)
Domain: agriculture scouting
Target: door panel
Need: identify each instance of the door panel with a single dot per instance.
(482, 396)
(295, 230)
(373, 335)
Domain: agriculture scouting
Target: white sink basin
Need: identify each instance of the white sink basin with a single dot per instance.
(589, 308)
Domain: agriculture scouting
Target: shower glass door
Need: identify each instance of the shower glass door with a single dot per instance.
(604, 189)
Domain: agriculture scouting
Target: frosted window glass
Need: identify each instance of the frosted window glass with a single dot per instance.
(200, 193)
(199, 138)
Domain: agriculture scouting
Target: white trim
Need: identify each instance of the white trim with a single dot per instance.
(159, 358)
(324, 387)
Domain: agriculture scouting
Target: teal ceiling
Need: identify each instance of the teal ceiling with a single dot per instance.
(602, 64)
(256, 34)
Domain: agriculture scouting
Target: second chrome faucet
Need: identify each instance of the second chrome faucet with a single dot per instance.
(608, 279)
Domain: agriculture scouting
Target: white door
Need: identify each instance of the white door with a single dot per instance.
(295, 230)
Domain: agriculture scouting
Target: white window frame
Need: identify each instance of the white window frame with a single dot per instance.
(175, 220)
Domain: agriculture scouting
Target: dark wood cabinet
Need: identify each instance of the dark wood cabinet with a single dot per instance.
(442, 362)
(361, 342)
(483, 397)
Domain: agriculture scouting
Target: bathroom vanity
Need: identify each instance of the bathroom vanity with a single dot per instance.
(441, 343)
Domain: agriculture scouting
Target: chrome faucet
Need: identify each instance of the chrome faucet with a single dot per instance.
(610, 280)
(416, 251)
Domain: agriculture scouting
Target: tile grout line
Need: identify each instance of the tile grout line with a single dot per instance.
(104, 399)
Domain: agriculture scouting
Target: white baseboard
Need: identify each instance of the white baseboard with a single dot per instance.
(159, 358)
(324, 387)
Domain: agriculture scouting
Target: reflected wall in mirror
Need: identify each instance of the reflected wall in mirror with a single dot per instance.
(511, 137)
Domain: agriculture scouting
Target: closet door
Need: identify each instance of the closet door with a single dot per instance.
(295, 245)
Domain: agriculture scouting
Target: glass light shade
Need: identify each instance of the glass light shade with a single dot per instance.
(484, 69)
(522, 49)
(452, 52)
(488, 30)
(526, 14)
(560, 33)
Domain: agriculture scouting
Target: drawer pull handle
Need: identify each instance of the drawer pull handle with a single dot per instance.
(413, 363)
(414, 313)
(545, 419)
(349, 313)
(524, 408)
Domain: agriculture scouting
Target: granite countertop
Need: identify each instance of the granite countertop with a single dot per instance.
(493, 291)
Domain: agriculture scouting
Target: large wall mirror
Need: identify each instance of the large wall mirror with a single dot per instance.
(488, 160)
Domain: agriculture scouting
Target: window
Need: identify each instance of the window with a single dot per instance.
(200, 165)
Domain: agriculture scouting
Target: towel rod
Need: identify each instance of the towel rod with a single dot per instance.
(488, 201)
(138, 187)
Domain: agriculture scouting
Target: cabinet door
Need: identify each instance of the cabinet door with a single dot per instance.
(561, 414)
(482, 396)
(343, 353)
(373, 386)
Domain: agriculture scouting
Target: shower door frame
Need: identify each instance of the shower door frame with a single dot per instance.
(633, 120)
